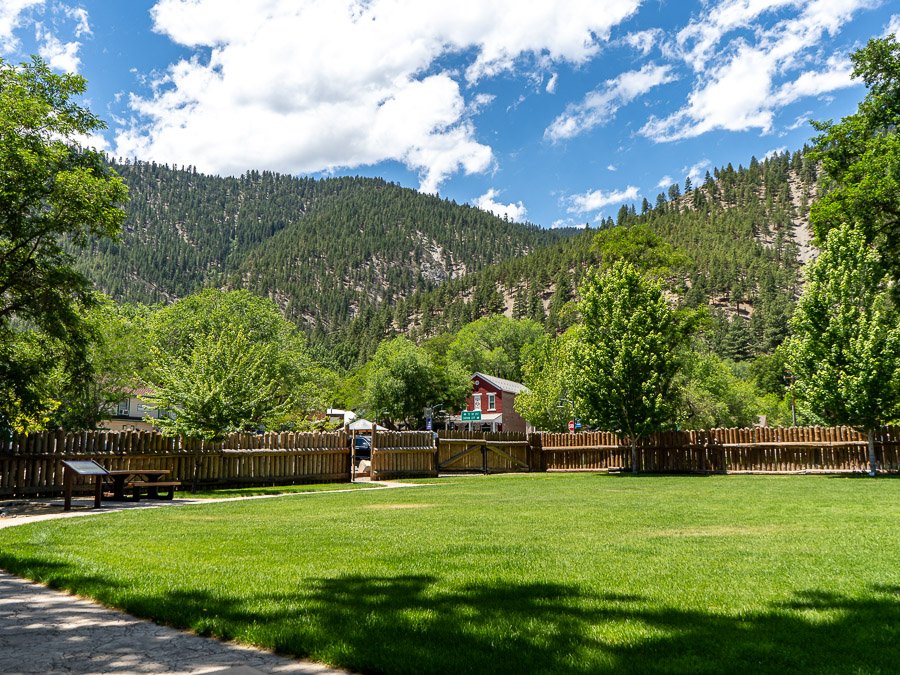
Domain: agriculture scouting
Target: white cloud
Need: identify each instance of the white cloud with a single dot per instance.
(315, 85)
(58, 54)
(515, 212)
(838, 75)
(612, 167)
(480, 102)
(697, 170)
(12, 16)
(644, 40)
(775, 151)
(551, 83)
(599, 106)
(699, 38)
(735, 99)
(16, 15)
(597, 199)
(801, 121)
(567, 222)
(665, 181)
(80, 16)
(95, 141)
(893, 27)
(744, 87)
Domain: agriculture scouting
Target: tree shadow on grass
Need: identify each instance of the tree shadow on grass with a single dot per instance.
(865, 475)
(417, 624)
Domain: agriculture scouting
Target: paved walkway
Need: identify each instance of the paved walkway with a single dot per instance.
(46, 631)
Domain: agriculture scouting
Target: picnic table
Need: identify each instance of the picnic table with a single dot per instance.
(139, 480)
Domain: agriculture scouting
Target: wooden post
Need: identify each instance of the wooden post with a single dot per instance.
(372, 450)
(67, 482)
(353, 456)
(98, 491)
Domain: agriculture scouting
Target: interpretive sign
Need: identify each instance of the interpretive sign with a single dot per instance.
(71, 468)
(86, 468)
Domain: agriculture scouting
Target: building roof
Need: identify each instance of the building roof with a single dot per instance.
(501, 384)
(364, 425)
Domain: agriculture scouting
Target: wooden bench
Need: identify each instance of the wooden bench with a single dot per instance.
(152, 488)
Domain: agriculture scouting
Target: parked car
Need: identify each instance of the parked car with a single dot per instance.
(362, 447)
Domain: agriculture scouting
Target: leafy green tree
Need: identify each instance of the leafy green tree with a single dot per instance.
(235, 327)
(639, 245)
(861, 156)
(402, 379)
(51, 188)
(118, 356)
(719, 393)
(455, 380)
(627, 354)
(176, 327)
(546, 404)
(845, 347)
(226, 382)
(769, 372)
(495, 345)
(33, 372)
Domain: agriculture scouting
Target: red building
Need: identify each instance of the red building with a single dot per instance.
(494, 397)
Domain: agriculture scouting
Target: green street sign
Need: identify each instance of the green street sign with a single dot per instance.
(470, 415)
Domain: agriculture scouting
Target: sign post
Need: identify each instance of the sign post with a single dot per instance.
(72, 468)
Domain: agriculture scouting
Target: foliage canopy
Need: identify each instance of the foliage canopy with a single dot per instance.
(627, 353)
(51, 187)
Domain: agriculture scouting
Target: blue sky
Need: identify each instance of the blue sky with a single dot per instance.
(551, 112)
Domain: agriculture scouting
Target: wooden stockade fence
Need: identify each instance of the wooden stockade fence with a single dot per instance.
(484, 452)
(585, 451)
(402, 455)
(31, 464)
(758, 450)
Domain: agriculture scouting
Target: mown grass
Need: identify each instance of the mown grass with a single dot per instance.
(527, 573)
(274, 490)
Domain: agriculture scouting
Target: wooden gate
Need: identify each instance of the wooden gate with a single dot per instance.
(482, 452)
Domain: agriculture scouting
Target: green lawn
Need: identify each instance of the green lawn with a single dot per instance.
(525, 573)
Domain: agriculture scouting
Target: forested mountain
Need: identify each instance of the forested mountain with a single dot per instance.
(355, 260)
(744, 232)
(324, 250)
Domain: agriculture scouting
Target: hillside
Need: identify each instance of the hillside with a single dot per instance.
(355, 260)
(745, 232)
(324, 250)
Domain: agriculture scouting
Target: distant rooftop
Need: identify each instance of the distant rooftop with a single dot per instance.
(501, 384)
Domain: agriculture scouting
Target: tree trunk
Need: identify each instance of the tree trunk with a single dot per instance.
(872, 463)
(634, 462)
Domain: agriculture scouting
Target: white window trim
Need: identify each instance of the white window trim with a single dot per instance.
(492, 401)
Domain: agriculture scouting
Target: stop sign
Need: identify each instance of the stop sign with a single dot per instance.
(572, 426)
